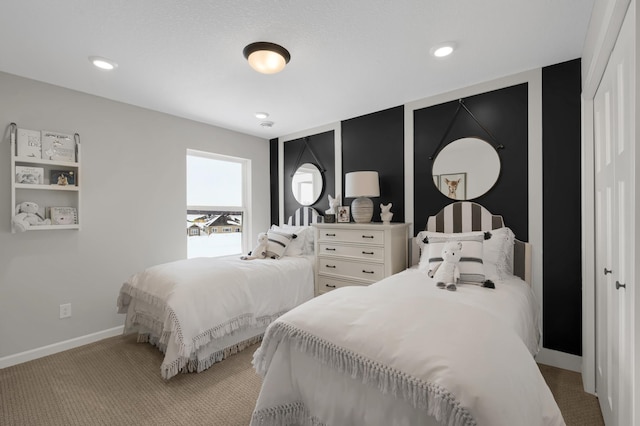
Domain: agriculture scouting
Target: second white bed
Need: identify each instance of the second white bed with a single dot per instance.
(403, 352)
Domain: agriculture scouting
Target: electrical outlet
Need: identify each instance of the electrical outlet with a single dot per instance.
(65, 310)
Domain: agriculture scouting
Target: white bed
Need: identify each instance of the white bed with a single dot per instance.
(199, 311)
(404, 352)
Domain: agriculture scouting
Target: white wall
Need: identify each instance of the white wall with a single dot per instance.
(133, 209)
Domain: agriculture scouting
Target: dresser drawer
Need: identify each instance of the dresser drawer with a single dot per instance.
(352, 235)
(358, 252)
(326, 284)
(345, 268)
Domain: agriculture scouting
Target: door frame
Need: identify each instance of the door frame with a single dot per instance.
(606, 21)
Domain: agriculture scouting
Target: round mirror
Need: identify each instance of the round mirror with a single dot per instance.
(466, 168)
(306, 184)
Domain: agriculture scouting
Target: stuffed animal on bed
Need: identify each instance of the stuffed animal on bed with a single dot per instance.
(260, 251)
(447, 273)
(27, 216)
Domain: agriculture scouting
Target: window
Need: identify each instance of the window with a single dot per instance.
(217, 191)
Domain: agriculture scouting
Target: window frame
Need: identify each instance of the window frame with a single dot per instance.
(245, 208)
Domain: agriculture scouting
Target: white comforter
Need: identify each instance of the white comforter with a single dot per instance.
(402, 352)
(185, 305)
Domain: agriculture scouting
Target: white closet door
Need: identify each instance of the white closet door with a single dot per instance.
(614, 131)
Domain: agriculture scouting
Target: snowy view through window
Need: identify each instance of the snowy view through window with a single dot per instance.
(215, 204)
(213, 233)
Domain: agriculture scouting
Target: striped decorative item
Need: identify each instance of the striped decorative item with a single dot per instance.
(470, 265)
(464, 216)
(304, 216)
(467, 216)
(277, 243)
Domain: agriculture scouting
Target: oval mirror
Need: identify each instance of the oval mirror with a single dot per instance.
(466, 168)
(307, 183)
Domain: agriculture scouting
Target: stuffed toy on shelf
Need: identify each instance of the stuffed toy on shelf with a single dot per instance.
(27, 216)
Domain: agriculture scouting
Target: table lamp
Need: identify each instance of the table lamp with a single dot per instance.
(361, 186)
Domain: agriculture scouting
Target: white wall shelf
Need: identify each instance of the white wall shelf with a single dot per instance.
(46, 194)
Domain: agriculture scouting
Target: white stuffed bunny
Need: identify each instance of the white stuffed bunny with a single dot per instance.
(385, 213)
(447, 273)
(27, 216)
(333, 205)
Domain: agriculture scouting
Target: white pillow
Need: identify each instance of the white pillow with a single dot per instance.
(498, 253)
(471, 259)
(277, 243)
(302, 244)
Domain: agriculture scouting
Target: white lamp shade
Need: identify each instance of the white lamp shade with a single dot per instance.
(361, 184)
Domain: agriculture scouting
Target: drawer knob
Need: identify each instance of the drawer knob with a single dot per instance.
(330, 235)
(367, 236)
(331, 266)
(367, 252)
(330, 249)
(367, 272)
(330, 286)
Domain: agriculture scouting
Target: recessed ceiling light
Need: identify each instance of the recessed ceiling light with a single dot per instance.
(442, 50)
(103, 63)
(262, 115)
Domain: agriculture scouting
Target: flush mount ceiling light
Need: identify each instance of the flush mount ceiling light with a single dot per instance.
(265, 57)
(444, 49)
(103, 63)
(261, 115)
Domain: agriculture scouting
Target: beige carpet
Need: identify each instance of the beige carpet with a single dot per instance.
(578, 407)
(117, 382)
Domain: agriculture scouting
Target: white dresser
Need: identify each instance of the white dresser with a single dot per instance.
(357, 253)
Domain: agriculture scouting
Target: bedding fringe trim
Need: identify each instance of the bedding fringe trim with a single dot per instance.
(437, 401)
(172, 328)
(295, 413)
(194, 365)
(218, 356)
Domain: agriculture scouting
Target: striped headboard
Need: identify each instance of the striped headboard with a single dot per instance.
(464, 216)
(467, 216)
(304, 216)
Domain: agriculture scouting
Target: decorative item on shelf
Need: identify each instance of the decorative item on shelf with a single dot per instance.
(30, 175)
(63, 215)
(29, 214)
(343, 214)
(58, 146)
(385, 213)
(329, 218)
(29, 144)
(361, 186)
(62, 177)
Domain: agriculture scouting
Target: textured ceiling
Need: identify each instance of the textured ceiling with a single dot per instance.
(348, 57)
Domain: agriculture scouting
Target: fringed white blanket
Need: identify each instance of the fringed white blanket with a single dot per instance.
(399, 352)
(184, 305)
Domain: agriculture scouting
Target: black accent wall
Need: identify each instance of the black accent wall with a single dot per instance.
(323, 146)
(561, 214)
(376, 142)
(273, 176)
(504, 114)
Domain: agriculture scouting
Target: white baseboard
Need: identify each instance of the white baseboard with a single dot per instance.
(560, 360)
(54, 348)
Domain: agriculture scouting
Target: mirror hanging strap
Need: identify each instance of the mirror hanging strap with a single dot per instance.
(461, 104)
(306, 146)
